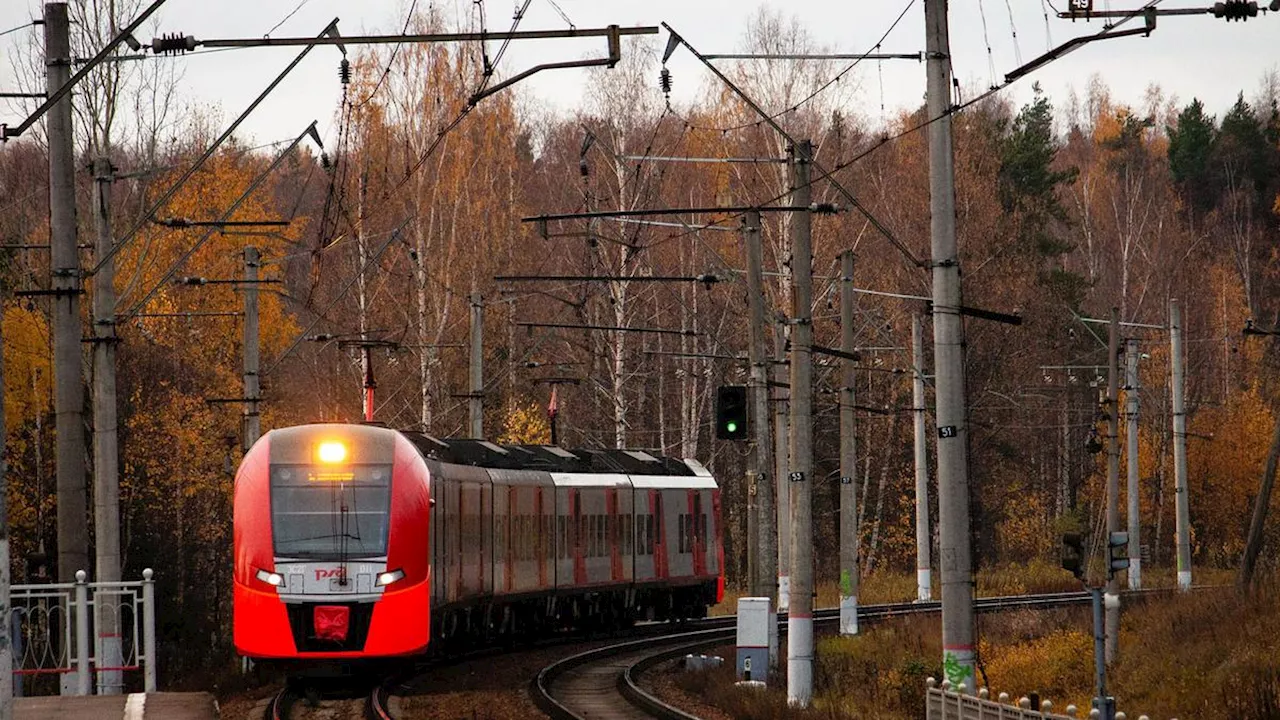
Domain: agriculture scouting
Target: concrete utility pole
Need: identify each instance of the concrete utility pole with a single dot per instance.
(800, 610)
(106, 454)
(1182, 514)
(252, 422)
(848, 457)
(958, 642)
(475, 397)
(782, 464)
(73, 531)
(6, 642)
(1113, 481)
(362, 302)
(759, 468)
(1131, 461)
(924, 580)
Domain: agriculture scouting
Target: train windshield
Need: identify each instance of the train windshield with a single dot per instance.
(324, 512)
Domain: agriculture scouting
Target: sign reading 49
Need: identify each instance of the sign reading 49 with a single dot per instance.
(1081, 6)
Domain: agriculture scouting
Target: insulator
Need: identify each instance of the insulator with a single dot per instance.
(664, 81)
(344, 71)
(325, 162)
(173, 44)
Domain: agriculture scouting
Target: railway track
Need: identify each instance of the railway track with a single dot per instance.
(603, 683)
(291, 701)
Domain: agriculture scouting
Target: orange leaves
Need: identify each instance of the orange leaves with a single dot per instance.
(525, 423)
(26, 365)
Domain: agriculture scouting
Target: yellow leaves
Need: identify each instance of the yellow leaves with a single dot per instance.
(525, 424)
(1052, 664)
(26, 364)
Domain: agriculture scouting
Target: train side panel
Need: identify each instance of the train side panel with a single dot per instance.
(524, 521)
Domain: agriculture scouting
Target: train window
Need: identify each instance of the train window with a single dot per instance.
(680, 522)
(313, 516)
(648, 534)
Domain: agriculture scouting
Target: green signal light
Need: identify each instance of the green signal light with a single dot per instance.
(731, 427)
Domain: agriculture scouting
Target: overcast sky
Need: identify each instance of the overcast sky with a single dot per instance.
(1197, 56)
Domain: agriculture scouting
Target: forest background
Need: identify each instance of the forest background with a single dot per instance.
(1066, 207)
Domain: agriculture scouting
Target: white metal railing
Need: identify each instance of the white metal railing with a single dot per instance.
(943, 703)
(51, 625)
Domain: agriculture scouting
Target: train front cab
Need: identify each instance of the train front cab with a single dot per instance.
(328, 560)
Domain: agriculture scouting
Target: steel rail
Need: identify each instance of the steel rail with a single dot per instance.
(682, 643)
(281, 704)
(377, 706)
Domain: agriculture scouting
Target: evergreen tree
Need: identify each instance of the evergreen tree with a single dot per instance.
(1242, 160)
(1190, 146)
(1028, 184)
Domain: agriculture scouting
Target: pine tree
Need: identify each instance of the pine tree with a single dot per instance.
(1190, 144)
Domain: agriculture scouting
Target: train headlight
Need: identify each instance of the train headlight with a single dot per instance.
(332, 452)
(270, 578)
(389, 577)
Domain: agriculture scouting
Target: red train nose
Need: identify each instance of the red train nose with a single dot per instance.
(331, 622)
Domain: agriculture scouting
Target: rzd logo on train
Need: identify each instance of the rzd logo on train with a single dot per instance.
(331, 574)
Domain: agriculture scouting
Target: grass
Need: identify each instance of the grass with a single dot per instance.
(1212, 654)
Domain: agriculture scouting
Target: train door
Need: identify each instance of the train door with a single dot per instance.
(695, 527)
(661, 559)
(484, 532)
(613, 536)
(544, 512)
(578, 537)
(642, 534)
(676, 527)
(626, 530)
(564, 539)
(439, 571)
(715, 545)
(505, 501)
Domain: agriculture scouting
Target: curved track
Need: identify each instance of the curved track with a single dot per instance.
(603, 682)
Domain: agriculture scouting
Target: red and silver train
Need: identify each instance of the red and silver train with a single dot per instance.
(356, 541)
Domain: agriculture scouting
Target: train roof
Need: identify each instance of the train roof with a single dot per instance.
(549, 458)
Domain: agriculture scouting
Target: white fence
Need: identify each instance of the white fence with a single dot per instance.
(943, 703)
(51, 626)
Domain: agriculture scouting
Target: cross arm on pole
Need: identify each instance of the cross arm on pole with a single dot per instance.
(125, 35)
(1148, 14)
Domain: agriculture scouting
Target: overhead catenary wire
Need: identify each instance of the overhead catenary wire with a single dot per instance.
(285, 19)
(986, 40)
(853, 200)
(16, 29)
(815, 93)
(373, 258)
(173, 189)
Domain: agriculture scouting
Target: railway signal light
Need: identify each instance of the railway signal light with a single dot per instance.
(731, 412)
(1117, 552)
(1073, 554)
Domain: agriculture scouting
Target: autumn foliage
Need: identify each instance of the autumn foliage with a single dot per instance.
(1066, 207)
